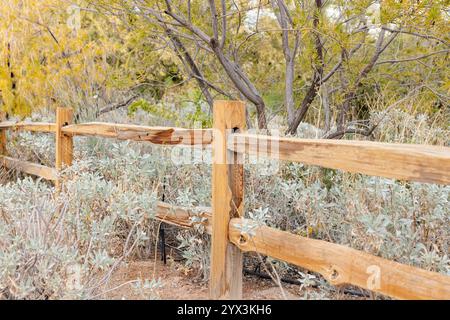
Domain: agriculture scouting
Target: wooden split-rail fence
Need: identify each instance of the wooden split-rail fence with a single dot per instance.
(339, 264)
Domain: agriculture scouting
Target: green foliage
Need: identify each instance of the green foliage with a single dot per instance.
(198, 117)
(156, 110)
(274, 99)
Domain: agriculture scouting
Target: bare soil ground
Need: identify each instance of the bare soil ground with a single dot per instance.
(177, 285)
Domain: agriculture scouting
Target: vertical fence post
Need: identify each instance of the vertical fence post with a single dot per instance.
(2, 135)
(227, 201)
(64, 144)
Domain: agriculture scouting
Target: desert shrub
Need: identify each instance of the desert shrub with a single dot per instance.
(66, 246)
(405, 222)
(401, 127)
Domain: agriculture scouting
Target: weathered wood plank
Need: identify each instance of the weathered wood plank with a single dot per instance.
(420, 163)
(182, 217)
(342, 265)
(156, 135)
(227, 202)
(64, 143)
(29, 126)
(338, 264)
(29, 168)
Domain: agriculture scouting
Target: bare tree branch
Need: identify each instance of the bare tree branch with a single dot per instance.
(232, 69)
(215, 88)
(285, 21)
(425, 36)
(393, 61)
(212, 7)
(186, 58)
(380, 47)
(338, 134)
(317, 76)
(203, 36)
(117, 106)
(224, 23)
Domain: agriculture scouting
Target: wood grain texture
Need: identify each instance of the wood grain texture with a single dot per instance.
(64, 143)
(182, 217)
(29, 168)
(227, 202)
(3, 140)
(156, 135)
(29, 126)
(419, 163)
(342, 265)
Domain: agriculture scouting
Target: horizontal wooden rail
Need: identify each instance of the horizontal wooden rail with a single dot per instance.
(337, 263)
(157, 135)
(182, 217)
(29, 126)
(29, 168)
(420, 163)
(340, 264)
